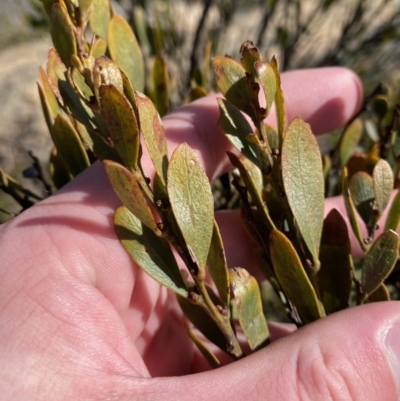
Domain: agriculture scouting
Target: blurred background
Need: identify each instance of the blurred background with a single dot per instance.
(361, 34)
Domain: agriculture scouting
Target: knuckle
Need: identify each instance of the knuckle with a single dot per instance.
(325, 375)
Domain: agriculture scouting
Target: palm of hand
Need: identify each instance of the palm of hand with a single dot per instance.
(83, 321)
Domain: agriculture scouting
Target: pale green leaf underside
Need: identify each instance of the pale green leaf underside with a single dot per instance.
(304, 182)
(191, 200)
(293, 278)
(379, 261)
(383, 184)
(152, 253)
(249, 307)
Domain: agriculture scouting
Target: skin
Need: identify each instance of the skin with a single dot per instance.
(80, 321)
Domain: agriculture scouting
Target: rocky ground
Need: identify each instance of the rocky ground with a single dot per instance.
(22, 126)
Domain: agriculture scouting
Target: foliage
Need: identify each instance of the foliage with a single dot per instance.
(99, 103)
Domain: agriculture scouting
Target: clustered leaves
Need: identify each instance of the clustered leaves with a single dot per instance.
(93, 101)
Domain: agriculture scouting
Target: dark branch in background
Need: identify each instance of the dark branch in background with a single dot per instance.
(193, 57)
(39, 173)
(269, 12)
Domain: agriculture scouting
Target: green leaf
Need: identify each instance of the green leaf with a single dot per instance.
(205, 351)
(231, 81)
(349, 141)
(266, 77)
(381, 294)
(122, 124)
(351, 210)
(249, 307)
(99, 48)
(151, 252)
(159, 85)
(191, 200)
(255, 174)
(272, 136)
(252, 188)
(56, 70)
(69, 145)
(59, 174)
(335, 275)
(217, 265)
(303, 181)
(236, 128)
(362, 193)
(48, 100)
(380, 106)
(382, 184)
(203, 322)
(279, 101)
(393, 218)
(379, 261)
(95, 143)
(250, 55)
(125, 51)
(65, 93)
(129, 192)
(80, 85)
(293, 278)
(153, 132)
(62, 32)
(100, 17)
(105, 71)
(85, 7)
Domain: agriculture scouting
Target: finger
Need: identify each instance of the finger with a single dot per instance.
(326, 98)
(351, 355)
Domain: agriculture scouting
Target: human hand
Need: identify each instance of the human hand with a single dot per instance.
(80, 321)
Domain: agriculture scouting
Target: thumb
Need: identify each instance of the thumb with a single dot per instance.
(350, 355)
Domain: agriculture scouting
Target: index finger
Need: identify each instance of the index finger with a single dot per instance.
(326, 98)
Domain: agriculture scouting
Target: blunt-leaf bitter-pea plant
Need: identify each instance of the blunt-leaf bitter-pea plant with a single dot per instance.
(94, 102)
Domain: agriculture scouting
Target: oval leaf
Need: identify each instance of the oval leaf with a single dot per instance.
(231, 81)
(381, 294)
(279, 101)
(379, 261)
(255, 194)
(152, 253)
(203, 322)
(205, 351)
(393, 218)
(267, 79)
(100, 17)
(382, 184)
(349, 141)
(69, 146)
(293, 279)
(129, 192)
(153, 132)
(125, 51)
(335, 275)
(191, 200)
(122, 124)
(217, 265)
(159, 85)
(235, 126)
(63, 33)
(249, 308)
(351, 210)
(303, 181)
(362, 193)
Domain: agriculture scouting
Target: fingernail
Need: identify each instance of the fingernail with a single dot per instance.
(393, 345)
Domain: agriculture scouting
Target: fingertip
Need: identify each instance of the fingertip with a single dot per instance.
(325, 97)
